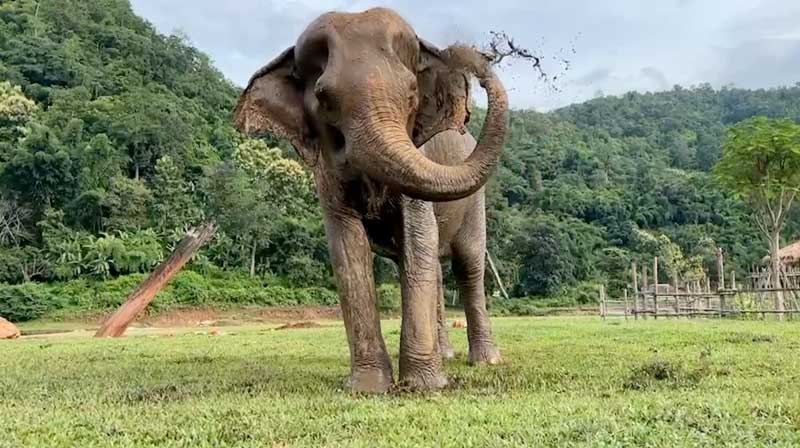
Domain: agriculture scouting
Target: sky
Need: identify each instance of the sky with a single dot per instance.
(613, 46)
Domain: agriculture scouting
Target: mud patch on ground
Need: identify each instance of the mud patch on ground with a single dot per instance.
(217, 317)
(298, 325)
(300, 313)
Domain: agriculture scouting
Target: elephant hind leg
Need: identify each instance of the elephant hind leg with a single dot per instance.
(468, 267)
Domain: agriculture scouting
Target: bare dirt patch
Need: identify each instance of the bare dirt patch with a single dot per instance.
(301, 313)
(204, 317)
(298, 325)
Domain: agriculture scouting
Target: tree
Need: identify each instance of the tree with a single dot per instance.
(173, 207)
(238, 206)
(128, 202)
(15, 112)
(761, 164)
(40, 171)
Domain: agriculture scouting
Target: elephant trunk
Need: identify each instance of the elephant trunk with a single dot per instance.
(386, 153)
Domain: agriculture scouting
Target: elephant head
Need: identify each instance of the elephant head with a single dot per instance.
(366, 91)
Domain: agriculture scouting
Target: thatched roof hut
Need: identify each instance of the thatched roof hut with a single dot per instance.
(790, 255)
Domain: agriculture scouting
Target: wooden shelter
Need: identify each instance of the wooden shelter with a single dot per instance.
(789, 255)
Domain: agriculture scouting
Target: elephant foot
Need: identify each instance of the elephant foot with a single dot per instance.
(484, 354)
(422, 376)
(370, 381)
(424, 382)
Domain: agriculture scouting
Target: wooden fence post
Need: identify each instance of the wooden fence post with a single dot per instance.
(635, 292)
(603, 301)
(721, 281)
(676, 296)
(625, 296)
(655, 287)
(644, 291)
(118, 322)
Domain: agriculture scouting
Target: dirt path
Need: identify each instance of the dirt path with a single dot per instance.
(209, 320)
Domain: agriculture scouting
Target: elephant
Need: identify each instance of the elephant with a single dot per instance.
(379, 116)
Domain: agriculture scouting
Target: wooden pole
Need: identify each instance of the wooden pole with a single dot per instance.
(644, 278)
(118, 322)
(625, 297)
(675, 287)
(721, 281)
(635, 292)
(644, 291)
(496, 275)
(655, 287)
(603, 301)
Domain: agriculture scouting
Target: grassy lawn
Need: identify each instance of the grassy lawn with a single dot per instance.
(567, 382)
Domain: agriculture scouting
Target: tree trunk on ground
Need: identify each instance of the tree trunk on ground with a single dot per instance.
(118, 322)
(496, 275)
(775, 266)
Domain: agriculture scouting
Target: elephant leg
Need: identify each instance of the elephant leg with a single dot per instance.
(351, 258)
(445, 347)
(468, 267)
(420, 360)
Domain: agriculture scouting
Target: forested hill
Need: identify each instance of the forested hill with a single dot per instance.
(114, 139)
(588, 188)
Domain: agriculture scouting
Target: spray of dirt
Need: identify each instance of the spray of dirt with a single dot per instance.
(503, 49)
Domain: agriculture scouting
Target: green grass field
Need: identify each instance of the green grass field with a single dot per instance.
(566, 382)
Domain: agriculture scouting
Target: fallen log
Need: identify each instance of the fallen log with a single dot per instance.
(117, 323)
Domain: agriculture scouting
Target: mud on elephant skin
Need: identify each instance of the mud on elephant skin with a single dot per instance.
(379, 116)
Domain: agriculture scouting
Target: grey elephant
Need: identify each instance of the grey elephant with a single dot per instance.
(379, 115)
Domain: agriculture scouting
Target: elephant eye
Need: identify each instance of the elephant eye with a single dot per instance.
(326, 98)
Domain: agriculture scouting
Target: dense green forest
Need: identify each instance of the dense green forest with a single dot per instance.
(115, 139)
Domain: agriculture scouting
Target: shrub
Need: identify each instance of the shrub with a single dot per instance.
(26, 302)
(188, 288)
(389, 297)
(529, 306)
(583, 293)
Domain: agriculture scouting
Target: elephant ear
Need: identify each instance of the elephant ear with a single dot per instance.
(444, 101)
(272, 103)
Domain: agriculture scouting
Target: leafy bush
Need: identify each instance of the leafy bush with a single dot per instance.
(583, 293)
(188, 288)
(389, 297)
(529, 306)
(274, 295)
(26, 302)
(75, 254)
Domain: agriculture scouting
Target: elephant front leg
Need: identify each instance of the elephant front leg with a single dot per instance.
(420, 358)
(351, 257)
